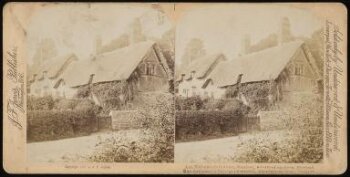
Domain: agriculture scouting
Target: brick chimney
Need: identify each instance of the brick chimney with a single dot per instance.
(245, 45)
(98, 45)
(44, 74)
(284, 34)
(34, 77)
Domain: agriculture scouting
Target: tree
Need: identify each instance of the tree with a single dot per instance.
(316, 44)
(120, 42)
(45, 50)
(167, 44)
(194, 49)
(137, 31)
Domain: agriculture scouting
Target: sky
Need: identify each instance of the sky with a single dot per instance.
(75, 27)
(222, 27)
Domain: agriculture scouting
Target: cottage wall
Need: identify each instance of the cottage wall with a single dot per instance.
(42, 87)
(151, 74)
(297, 75)
(193, 87)
(45, 87)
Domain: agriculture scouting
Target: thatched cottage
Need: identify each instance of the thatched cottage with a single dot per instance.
(271, 73)
(46, 78)
(140, 67)
(192, 80)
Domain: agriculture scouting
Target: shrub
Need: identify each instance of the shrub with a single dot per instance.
(199, 124)
(64, 104)
(156, 142)
(191, 103)
(87, 106)
(226, 104)
(40, 103)
(83, 92)
(256, 93)
(46, 125)
(303, 142)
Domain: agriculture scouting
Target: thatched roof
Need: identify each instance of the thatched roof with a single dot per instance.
(54, 67)
(201, 66)
(111, 66)
(259, 66)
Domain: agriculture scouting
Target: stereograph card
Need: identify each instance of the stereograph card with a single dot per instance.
(175, 88)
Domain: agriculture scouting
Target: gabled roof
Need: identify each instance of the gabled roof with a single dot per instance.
(54, 67)
(259, 66)
(201, 66)
(116, 65)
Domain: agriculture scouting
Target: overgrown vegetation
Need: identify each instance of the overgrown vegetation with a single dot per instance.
(194, 125)
(198, 118)
(51, 119)
(46, 125)
(255, 93)
(302, 144)
(110, 95)
(154, 144)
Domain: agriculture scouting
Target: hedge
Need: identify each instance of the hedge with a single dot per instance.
(46, 125)
(194, 125)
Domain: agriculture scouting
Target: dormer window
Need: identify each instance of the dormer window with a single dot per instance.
(34, 77)
(193, 74)
(44, 74)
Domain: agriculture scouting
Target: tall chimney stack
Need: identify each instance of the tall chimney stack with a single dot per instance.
(98, 45)
(284, 31)
(245, 45)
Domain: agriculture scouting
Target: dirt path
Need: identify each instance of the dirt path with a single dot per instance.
(217, 150)
(59, 150)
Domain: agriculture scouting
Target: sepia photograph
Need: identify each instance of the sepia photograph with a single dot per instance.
(249, 86)
(174, 88)
(99, 84)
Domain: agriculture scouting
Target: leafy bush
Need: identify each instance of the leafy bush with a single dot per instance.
(87, 106)
(255, 93)
(156, 142)
(40, 103)
(83, 92)
(226, 104)
(191, 125)
(46, 125)
(191, 103)
(111, 95)
(64, 104)
(302, 144)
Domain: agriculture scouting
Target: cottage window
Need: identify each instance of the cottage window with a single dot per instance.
(153, 69)
(194, 90)
(143, 68)
(299, 69)
(150, 69)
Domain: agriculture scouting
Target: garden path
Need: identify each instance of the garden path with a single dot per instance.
(217, 150)
(66, 149)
